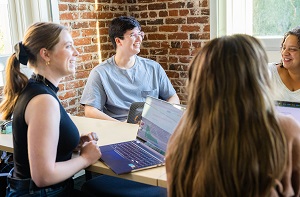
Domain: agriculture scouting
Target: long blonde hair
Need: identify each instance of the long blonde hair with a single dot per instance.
(229, 143)
(39, 35)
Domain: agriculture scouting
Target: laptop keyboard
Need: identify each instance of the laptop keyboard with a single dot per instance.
(139, 156)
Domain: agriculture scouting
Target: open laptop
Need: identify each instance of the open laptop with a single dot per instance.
(289, 108)
(159, 119)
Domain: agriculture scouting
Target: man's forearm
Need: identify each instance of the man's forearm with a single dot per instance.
(92, 112)
(174, 99)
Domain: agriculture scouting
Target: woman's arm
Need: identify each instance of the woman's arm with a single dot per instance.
(43, 116)
(291, 177)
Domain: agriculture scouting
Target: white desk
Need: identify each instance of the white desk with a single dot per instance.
(6, 142)
(108, 132)
(162, 180)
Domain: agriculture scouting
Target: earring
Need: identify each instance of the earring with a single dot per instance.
(47, 63)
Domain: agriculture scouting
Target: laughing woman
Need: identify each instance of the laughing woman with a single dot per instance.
(44, 136)
(286, 74)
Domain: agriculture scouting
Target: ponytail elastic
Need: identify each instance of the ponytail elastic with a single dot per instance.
(21, 53)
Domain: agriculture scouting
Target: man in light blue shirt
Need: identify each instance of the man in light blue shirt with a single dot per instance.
(125, 77)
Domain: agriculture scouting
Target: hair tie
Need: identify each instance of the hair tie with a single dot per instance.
(21, 53)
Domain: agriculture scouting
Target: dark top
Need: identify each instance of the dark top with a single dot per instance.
(68, 132)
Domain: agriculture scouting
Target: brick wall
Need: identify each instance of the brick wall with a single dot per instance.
(174, 30)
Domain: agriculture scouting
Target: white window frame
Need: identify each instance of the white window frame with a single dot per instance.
(24, 13)
(21, 15)
(225, 22)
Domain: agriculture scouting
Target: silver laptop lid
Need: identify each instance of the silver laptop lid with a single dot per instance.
(159, 119)
(289, 108)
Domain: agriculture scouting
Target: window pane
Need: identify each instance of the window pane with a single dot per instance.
(5, 34)
(274, 18)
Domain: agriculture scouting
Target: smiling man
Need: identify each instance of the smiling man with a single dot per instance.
(124, 78)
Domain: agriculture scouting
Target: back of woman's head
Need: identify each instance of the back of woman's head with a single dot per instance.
(39, 35)
(231, 70)
(230, 143)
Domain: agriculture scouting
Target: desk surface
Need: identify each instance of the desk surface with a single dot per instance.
(108, 132)
(6, 142)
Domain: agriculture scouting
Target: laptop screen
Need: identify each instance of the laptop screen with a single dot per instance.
(159, 119)
(289, 108)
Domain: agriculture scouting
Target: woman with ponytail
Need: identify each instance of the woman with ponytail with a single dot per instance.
(44, 136)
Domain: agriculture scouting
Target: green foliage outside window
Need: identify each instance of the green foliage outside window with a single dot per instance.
(275, 17)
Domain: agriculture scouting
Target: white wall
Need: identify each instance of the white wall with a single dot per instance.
(274, 56)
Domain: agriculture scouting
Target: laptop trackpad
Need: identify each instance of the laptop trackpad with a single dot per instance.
(117, 163)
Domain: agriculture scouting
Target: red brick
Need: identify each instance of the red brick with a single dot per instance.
(175, 21)
(103, 31)
(72, 85)
(199, 36)
(173, 12)
(151, 44)
(158, 51)
(148, 29)
(172, 74)
(178, 82)
(183, 74)
(162, 59)
(197, 44)
(106, 47)
(82, 41)
(72, 7)
(185, 59)
(190, 28)
(183, 12)
(75, 33)
(179, 52)
(178, 36)
(62, 7)
(206, 28)
(204, 3)
(168, 28)
(88, 15)
(133, 8)
(205, 12)
(79, 25)
(82, 7)
(193, 20)
(173, 59)
(144, 15)
(68, 16)
(144, 52)
(155, 22)
(157, 36)
(176, 5)
(163, 13)
(157, 6)
(88, 32)
(67, 94)
(88, 49)
(186, 44)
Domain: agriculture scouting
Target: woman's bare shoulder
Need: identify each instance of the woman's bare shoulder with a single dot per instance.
(289, 125)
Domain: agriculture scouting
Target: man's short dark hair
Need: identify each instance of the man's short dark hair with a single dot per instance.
(120, 25)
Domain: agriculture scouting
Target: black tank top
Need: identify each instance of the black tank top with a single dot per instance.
(68, 132)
